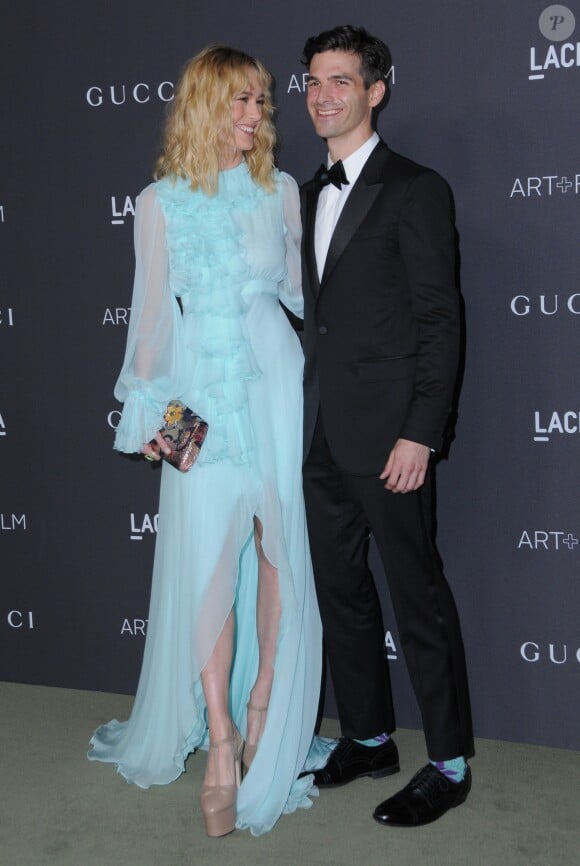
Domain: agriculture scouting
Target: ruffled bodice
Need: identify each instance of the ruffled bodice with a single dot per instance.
(208, 270)
(215, 273)
(207, 259)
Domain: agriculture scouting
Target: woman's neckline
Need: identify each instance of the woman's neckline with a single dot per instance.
(232, 168)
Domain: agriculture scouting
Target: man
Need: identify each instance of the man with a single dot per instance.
(381, 338)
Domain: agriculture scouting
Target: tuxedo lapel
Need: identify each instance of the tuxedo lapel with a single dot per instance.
(311, 193)
(357, 206)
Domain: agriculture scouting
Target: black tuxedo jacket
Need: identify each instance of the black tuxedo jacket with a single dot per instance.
(381, 329)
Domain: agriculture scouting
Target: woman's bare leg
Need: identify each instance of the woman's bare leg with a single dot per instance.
(215, 678)
(268, 621)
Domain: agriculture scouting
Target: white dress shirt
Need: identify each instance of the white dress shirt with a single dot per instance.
(332, 200)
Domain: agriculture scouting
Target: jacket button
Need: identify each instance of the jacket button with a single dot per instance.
(323, 329)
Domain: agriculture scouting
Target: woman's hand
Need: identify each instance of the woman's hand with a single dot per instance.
(152, 450)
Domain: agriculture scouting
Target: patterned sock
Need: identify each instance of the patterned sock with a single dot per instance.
(374, 741)
(454, 770)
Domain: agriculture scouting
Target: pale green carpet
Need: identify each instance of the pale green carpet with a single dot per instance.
(57, 808)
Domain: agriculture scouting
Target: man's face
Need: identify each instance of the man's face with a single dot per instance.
(338, 102)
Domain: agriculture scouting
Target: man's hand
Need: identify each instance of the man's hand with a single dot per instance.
(406, 467)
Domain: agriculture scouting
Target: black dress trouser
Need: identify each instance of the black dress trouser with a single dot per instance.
(341, 508)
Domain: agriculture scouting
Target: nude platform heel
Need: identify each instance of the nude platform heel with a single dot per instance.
(218, 802)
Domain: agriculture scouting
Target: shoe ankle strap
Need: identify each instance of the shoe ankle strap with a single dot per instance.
(234, 738)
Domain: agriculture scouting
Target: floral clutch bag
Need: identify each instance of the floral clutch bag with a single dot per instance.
(184, 432)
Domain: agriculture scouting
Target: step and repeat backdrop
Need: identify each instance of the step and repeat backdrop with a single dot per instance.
(487, 94)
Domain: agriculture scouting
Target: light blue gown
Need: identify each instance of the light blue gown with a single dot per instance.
(231, 356)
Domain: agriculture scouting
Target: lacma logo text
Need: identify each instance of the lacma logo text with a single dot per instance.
(121, 208)
(145, 525)
(555, 422)
(556, 24)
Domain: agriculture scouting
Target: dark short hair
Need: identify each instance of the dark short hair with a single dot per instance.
(375, 56)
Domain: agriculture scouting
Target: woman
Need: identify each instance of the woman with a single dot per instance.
(234, 636)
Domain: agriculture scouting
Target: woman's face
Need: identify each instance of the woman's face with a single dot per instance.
(247, 109)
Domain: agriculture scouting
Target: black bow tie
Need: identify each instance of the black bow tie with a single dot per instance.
(335, 174)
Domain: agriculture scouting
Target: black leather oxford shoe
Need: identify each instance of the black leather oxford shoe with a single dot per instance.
(428, 795)
(351, 760)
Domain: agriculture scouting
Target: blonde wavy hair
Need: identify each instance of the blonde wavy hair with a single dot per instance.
(199, 124)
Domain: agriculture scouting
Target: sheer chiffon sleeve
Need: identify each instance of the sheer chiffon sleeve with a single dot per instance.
(155, 366)
(290, 291)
